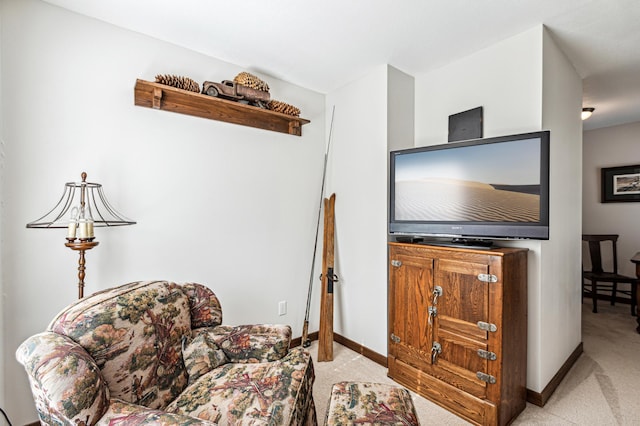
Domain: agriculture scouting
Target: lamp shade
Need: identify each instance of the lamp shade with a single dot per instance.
(587, 112)
(81, 198)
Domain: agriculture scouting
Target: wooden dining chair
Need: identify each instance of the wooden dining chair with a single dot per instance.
(606, 280)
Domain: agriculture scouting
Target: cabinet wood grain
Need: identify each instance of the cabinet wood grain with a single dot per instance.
(458, 328)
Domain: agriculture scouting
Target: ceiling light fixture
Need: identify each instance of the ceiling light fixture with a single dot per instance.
(586, 112)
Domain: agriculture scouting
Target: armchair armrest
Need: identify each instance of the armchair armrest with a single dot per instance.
(253, 343)
(66, 383)
(211, 347)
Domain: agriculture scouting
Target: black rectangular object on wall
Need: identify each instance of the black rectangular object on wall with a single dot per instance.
(465, 125)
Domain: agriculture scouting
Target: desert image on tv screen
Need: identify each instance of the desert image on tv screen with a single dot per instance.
(497, 182)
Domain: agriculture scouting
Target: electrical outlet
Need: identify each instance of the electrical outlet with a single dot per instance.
(282, 308)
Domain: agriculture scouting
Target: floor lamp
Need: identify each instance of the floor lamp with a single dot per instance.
(82, 207)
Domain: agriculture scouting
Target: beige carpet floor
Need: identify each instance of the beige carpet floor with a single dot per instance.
(602, 388)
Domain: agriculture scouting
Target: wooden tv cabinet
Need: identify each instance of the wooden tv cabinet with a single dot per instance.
(458, 328)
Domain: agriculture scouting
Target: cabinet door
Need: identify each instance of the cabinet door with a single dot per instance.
(464, 302)
(410, 294)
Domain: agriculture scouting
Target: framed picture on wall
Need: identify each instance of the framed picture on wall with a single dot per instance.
(620, 184)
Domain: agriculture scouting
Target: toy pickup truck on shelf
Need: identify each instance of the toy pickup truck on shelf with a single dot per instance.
(236, 92)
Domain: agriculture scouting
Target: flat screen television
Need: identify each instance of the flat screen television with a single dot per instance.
(472, 191)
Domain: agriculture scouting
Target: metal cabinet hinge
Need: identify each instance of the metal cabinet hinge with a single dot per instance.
(491, 356)
(488, 278)
(394, 338)
(486, 326)
(486, 377)
(396, 263)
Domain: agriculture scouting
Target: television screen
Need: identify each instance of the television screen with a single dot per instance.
(484, 188)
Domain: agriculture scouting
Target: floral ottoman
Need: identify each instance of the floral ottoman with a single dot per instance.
(370, 404)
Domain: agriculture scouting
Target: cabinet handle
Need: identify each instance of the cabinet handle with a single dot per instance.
(433, 311)
(396, 263)
(436, 350)
(437, 292)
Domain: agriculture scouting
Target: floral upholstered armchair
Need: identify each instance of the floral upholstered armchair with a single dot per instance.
(155, 352)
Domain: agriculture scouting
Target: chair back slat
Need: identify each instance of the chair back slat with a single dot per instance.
(595, 250)
(595, 254)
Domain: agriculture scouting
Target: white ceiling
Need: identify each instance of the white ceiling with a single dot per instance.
(324, 44)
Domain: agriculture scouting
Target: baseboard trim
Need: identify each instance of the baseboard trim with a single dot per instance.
(362, 350)
(536, 398)
(356, 347)
(540, 399)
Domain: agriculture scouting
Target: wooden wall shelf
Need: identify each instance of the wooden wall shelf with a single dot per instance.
(160, 96)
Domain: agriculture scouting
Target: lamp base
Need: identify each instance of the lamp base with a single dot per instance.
(81, 246)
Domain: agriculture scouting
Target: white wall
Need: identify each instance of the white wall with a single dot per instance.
(401, 110)
(372, 115)
(560, 298)
(357, 166)
(611, 147)
(221, 204)
(507, 81)
(2, 293)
